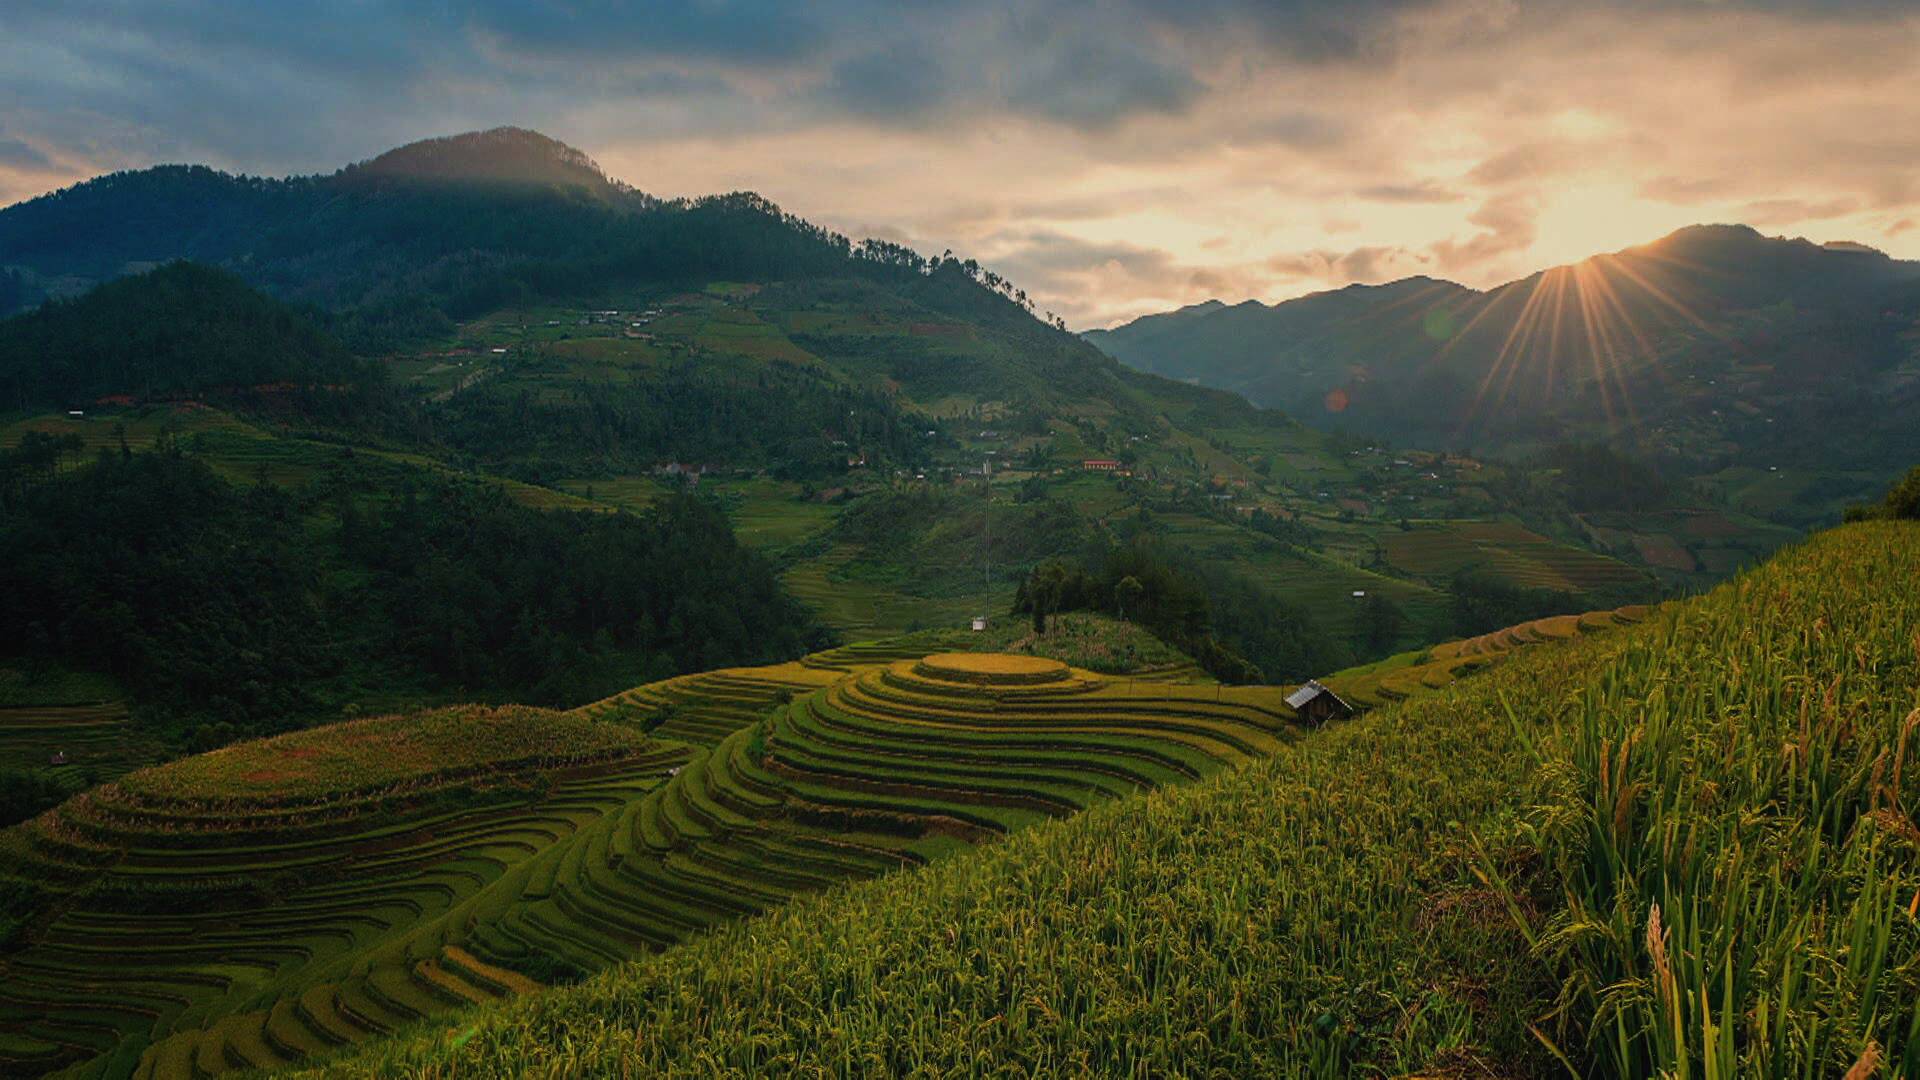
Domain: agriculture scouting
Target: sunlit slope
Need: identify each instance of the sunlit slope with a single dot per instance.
(1464, 883)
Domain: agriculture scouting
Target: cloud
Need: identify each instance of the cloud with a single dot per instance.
(1507, 226)
(1105, 156)
(1369, 265)
(1686, 190)
(742, 31)
(1424, 191)
(21, 155)
(1793, 211)
(902, 81)
(1530, 161)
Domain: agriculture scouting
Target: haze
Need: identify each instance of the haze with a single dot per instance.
(1113, 161)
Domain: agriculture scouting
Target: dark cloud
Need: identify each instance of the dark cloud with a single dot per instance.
(1094, 83)
(1424, 191)
(20, 155)
(750, 31)
(904, 82)
(1307, 130)
(1077, 82)
(1305, 31)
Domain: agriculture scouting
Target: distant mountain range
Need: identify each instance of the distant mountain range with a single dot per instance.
(1709, 344)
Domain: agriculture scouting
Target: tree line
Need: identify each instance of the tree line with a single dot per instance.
(233, 610)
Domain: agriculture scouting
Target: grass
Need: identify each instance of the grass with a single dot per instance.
(1681, 849)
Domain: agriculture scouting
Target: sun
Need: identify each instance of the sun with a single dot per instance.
(1588, 217)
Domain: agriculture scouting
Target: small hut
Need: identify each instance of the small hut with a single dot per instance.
(1316, 704)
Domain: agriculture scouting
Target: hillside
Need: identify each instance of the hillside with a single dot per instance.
(329, 580)
(337, 884)
(1709, 348)
(1543, 868)
(601, 348)
(181, 331)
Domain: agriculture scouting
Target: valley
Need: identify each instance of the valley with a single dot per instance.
(466, 615)
(318, 889)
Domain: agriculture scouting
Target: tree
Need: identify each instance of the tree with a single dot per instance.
(1903, 502)
(1046, 592)
(1127, 593)
(1381, 622)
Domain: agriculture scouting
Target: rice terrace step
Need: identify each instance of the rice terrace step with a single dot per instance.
(326, 890)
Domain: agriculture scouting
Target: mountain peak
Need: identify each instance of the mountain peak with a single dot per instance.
(502, 155)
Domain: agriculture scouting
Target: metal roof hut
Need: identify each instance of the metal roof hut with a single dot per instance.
(1316, 704)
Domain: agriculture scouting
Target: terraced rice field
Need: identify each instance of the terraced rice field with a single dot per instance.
(1507, 551)
(870, 610)
(264, 904)
(325, 892)
(77, 745)
(887, 767)
(1684, 849)
(287, 910)
(1427, 670)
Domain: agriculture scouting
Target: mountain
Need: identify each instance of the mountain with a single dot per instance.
(502, 155)
(400, 245)
(901, 435)
(1267, 353)
(1706, 346)
(590, 344)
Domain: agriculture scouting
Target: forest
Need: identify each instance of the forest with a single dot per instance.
(240, 610)
(182, 330)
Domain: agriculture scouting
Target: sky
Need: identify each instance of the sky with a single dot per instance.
(1112, 158)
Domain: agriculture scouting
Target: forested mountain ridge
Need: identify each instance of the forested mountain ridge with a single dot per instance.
(181, 330)
(903, 439)
(436, 230)
(1703, 345)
